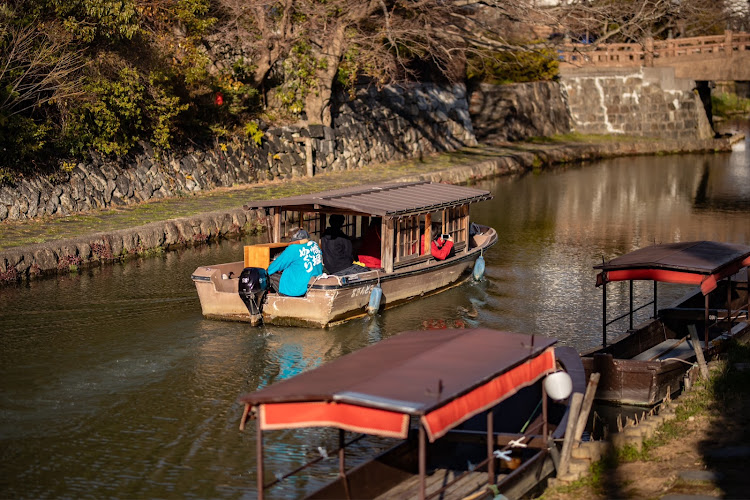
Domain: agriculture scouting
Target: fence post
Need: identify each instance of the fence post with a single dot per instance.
(728, 41)
(649, 55)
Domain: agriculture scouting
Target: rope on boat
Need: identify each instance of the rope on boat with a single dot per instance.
(523, 429)
(681, 360)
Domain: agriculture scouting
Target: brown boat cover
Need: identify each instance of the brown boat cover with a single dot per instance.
(443, 376)
(403, 198)
(701, 263)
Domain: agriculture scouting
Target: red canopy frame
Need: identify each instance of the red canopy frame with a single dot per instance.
(702, 263)
(378, 389)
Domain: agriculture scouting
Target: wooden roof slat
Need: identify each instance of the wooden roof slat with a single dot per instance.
(438, 365)
(381, 199)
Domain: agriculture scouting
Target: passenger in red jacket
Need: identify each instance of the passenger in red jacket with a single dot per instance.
(441, 247)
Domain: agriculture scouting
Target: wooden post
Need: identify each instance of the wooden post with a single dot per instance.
(427, 234)
(490, 448)
(648, 57)
(309, 157)
(422, 462)
(575, 407)
(588, 401)
(631, 304)
(729, 304)
(465, 224)
(705, 317)
(698, 351)
(259, 457)
(728, 41)
(604, 312)
(342, 464)
(386, 244)
(545, 424)
(276, 225)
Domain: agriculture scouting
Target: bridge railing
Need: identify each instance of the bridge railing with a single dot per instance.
(636, 54)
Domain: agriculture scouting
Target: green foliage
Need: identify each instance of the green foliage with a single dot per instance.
(513, 67)
(299, 77)
(725, 105)
(194, 16)
(89, 20)
(22, 138)
(253, 131)
(122, 112)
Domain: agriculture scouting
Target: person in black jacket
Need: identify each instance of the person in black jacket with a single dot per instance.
(336, 246)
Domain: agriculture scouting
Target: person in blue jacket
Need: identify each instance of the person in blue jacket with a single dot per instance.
(297, 264)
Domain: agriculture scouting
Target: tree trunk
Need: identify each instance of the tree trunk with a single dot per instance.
(318, 100)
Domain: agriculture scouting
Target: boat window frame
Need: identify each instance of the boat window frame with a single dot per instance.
(452, 221)
(405, 239)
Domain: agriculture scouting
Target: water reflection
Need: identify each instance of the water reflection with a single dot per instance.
(112, 384)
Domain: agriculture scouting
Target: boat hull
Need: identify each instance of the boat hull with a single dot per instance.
(333, 299)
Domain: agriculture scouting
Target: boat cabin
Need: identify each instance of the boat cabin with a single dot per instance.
(402, 214)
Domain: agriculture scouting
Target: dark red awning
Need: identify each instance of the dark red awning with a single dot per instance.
(701, 263)
(444, 377)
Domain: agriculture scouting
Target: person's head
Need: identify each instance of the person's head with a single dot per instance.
(336, 220)
(297, 234)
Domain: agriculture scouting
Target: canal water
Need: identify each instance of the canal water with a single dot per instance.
(113, 385)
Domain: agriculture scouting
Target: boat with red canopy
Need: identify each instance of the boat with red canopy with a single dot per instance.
(650, 361)
(453, 397)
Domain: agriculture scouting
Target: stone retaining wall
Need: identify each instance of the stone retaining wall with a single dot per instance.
(648, 102)
(518, 111)
(374, 127)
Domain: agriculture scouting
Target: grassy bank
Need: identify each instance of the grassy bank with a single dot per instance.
(701, 452)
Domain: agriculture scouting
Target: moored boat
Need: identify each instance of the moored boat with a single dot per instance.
(654, 359)
(402, 214)
(469, 406)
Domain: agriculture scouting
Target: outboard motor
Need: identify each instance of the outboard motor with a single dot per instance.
(252, 287)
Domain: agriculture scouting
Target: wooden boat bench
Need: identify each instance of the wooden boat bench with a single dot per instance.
(670, 348)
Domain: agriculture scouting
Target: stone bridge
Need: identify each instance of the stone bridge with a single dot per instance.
(706, 58)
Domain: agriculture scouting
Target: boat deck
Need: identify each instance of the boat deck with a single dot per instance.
(670, 348)
(409, 489)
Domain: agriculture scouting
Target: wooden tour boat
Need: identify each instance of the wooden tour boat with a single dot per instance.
(468, 408)
(406, 212)
(656, 358)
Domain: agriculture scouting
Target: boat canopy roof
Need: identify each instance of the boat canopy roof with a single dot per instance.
(444, 377)
(391, 199)
(701, 263)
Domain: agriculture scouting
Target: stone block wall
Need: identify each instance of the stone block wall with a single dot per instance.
(373, 127)
(519, 111)
(646, 102)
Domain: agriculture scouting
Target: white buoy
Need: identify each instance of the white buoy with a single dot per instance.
(375, 295)
(558, 385)
(478, 268)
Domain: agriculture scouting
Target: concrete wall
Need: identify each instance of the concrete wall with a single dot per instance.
(647, 102)
(374, 127)
(518, 111)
